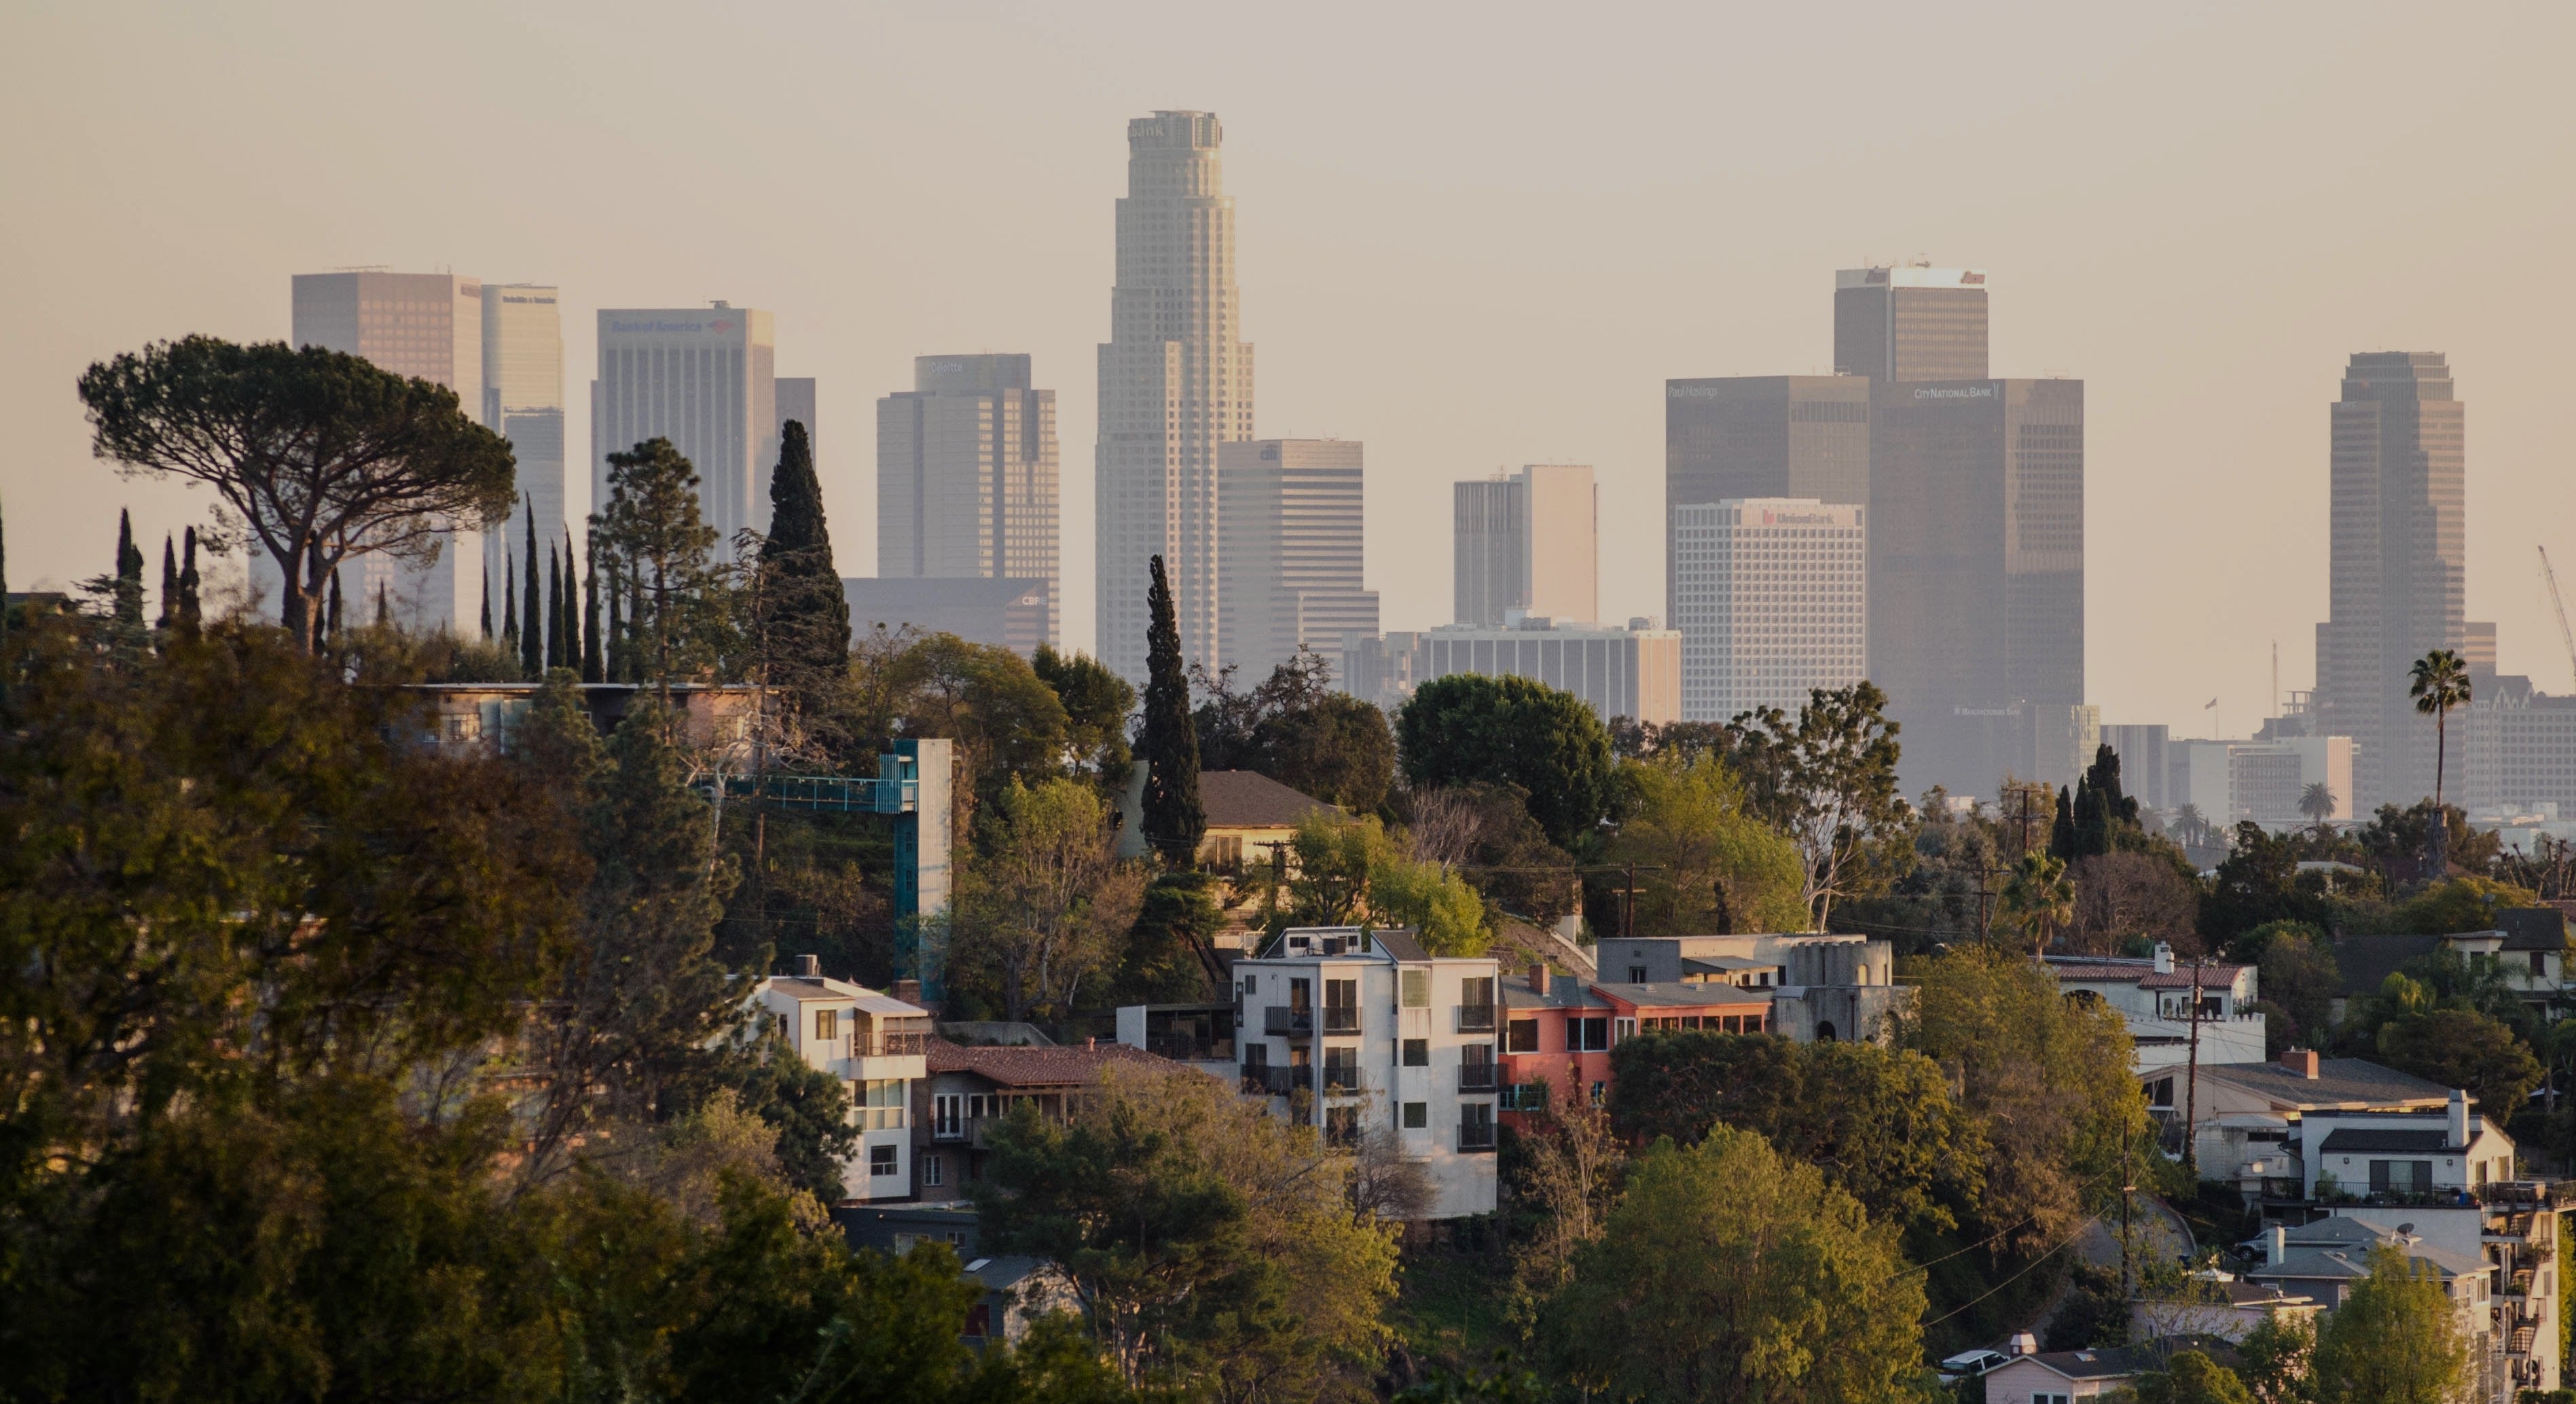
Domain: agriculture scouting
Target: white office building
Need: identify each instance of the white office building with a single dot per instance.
(2264, 781)
(704, 378)
(1771, 600)
(1354, 1031)
(1634, 672)
(1289, 551)
(876, 1045)
(1528, 543)
(966, 477)
(523, 401)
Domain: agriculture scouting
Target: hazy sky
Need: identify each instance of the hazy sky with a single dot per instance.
(1472, 236)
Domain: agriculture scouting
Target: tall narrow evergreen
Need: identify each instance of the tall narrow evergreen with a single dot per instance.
(592, 664)
(554, 609)
(615, 663)
(487, 602)
(188, 617)
(169, 585)
(810, 619)
(2061, 831)
(571, 616)
(635, 626)
(331, 620)
(129, 573)
(509, 605)
(384, 607)
(1173, 821)
(532, 629)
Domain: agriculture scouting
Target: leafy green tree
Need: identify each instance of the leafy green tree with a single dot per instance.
(1208, 1241)
(1705, 863)
(809, 608)
(1047, 905)
(2258, 883)
(1171, 953)
(2297, 971)
(2104, 816)
(1828, 780)
(2093, 1314)
(1732, 1273)
(1297, 730)
(2395, 1340)
(808, 1110)
(1486, 835)
(2462, 904)
(1468, 728)
(1172, 821)
(2277, 1359)
(1096, 705)
(1346, 872)
(1878, 1122)
(2439, 681)
(320, 454)
(2191, 1377)
(2466, 1049)
(652, 527)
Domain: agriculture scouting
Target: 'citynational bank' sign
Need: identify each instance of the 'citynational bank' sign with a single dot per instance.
(1954, 392)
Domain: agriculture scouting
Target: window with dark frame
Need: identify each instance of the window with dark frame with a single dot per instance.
(1417, 1052)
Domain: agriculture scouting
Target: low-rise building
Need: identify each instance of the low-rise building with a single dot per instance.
(2218, 1304)
(872, 1042)
(2245, 1118)
(1250, 818)
(1823, 986)
(967, 1089)
(2155, 998)
(2064, 1376)
(1559, 1029)
(1350, 1031)
(2527, 947)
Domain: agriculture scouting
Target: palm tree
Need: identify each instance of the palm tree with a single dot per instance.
(2038, 898)
(2439, 682)
(2317, 802)
(2190, 824)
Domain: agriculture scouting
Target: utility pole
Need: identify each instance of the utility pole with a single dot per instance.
(2191, 1088)
(1628, 912)
(2125, 1189)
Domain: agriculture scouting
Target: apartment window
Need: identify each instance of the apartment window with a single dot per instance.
(2160, 1094)
(948, 1114)
(1252, 984)
(2401, 1176)
(1342, 1069)
(1417, 1052)
(827, 1024)
(1523, 1036)
(882, 1104)
(934, 1169)
(1342, 1125)
(1587, 1035)
(1417, 1116)
(1417, 989)
(2051, 1399)
(880, 1161)
(1627, 1029)
(1301, 994)
(1600, 1092)
(1341, 1006)
(1636, 974)
(2539, 963)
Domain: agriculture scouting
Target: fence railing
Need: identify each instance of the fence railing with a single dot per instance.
(1281, 1020)
(889, 1045)
(1475, 1135)
(1475, 1018)
(1476, 1077)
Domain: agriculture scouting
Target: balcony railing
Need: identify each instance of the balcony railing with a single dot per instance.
(1341, 1077)
(889, 1045)
(1341, 1019)
(1475, 1018)
(1189, 1048)
(964, 1130)
(1475, 1135)
(1263, 1079)
(1281, 1020)
(1476, 1077)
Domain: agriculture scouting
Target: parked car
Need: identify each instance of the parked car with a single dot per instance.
(1969, 1364)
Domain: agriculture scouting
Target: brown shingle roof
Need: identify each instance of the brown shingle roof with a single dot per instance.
(1036, 1067)
(1245, 799)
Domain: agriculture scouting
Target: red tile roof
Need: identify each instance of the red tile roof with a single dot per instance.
(1036, 1067)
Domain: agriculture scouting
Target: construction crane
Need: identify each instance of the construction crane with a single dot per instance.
(2559, 603)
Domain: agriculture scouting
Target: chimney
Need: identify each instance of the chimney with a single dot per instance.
(2276, 1245)
(1091, 1044)
(810, 967)
(2023, 1343)
(2164, 958)
(909, 991)
(2302, 1061)
(2459, 1118)
(1538, 976)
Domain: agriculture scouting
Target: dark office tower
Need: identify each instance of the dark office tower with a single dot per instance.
(1910, 323)
(1290, 554)
(2397, 565)
(1762, 436)
(1976, 577)
(1175, 382)
(966, 477)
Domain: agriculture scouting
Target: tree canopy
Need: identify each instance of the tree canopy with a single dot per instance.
(1468, 728)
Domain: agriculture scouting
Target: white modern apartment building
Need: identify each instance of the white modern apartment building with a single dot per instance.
(2155, 998)
(523, 401)
(1771, 598)
(966, 477)
(872, 1042)
(2229, 781)
(427, 326)
(1528, 542)
(704, 378)
(1354, 1031)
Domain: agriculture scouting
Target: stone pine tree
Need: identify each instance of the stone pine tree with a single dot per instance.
(169, 614)
(809, 614)
(1173, 821)
(593, 665)
(188, 615)
(532, 628)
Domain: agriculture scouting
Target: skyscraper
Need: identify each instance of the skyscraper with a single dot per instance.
(1763, 436)
(704, 378)
(1289, 551)
(1910, 322)
(966, 476)
(2397, 564)
(1976, 576)
(1529, 542)
(1175, 382)
(523, 401)
(1772, 602)
(423, 325)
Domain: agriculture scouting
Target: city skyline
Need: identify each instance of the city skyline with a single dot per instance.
(2170, 263)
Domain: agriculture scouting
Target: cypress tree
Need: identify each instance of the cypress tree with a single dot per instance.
(169, 585)
(636, 631)
(591, 663)
(553, 610)
(129, 573)
(188, 617)
(509, 605)
(384, 607)
(331, 620)
(2061, 833)
(1173, 820)
(571, 617)
(532, 630)
(487, 601)
(810, 619)
(616, 660)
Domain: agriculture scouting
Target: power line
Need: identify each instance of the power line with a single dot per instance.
(2089, 1221)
